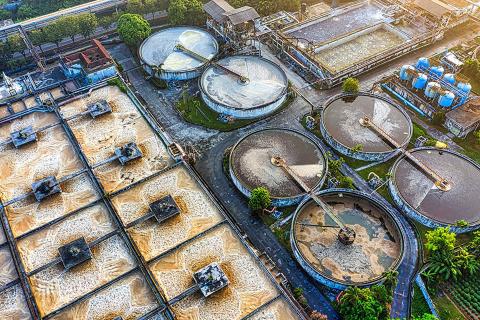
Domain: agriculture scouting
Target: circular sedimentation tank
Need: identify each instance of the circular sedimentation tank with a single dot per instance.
(341, 128)
(161, 57)
(378, 246)
(416, 193)
(256, 86)
(251, 167)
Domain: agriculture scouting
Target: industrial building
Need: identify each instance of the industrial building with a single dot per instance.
(244, 86)
(464, 120)
(101, 218)
(378, 246)
(352, 39)
(251, 167)
(341, 126)
(422, 199)
(177, 53)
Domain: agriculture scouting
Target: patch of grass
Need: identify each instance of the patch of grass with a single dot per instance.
(471, 147)
(419, 305)
(446, 309)
(119, 83)
(197, 112)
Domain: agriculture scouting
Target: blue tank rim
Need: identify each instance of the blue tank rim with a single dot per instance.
(394, 188)
(364, 93)
(263, 105)
(360, 194)
(144, 63)
(307, 135)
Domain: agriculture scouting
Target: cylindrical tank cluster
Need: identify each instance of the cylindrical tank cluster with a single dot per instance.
(419, 77)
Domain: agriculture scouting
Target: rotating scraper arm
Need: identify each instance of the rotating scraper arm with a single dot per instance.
(280, 162)
(442, 183)
(201, 58)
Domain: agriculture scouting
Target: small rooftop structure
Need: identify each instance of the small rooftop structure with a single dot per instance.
(241, 15)
(164, 208)
(464, 119)
(99, 108)
(45, 187)
(10, 88)
(24, 136)
(95, 57)
(75, 253)
(210, 279)
(128, 152)
(217, 8)
(221, 11)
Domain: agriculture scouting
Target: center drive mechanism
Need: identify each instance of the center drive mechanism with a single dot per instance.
(346, 235)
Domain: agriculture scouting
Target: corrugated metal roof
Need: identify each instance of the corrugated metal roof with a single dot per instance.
(466, 115)
(242, 15)
(217, 8)
(435, 7)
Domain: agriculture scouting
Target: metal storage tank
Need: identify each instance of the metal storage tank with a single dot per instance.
(450, 78)
(244, 87)
(250, 164)
(417, 195)
(340, 125)
(433, 89)
(423, 63)
(161, 58)
(378, 246)
(437, 70)
(465, 87)
(420, 81)
(406, 72)
(446, 99)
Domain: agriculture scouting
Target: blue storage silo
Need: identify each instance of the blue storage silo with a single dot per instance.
(465, 87)
(450, 78)
(433, 89)
(423, 63)
(446, 99)
(420, 81)
(407, 72)
(437, 70)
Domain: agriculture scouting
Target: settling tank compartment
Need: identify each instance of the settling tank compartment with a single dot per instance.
(378, 246)
(244, 87)
(341, 128)
(161, 57)
(416, 194)
(251, 167)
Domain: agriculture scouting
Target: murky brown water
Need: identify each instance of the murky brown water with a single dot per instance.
(251, 161)
(99, 137)
(54, 288)
(375, 250)
(198, 212)
(8, 273)
(41, 247)
(129, 298)
(248, 289)
(461, 202)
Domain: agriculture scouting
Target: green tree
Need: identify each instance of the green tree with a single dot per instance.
(186, 12)
(351, 85)
(56, 32)
(471, 68)
(259, 199)
(474, 244)
(461, 223)
(445, 266)
(15, 44)
(356, 303)
(440, 240)
(426, 316)
(133, 29)
(67, 26)
(38, 38)
(391, 279)
(5, 14)
(106, 22)
(88, 23)
(467, 261)
(27, 12)
(135, 6)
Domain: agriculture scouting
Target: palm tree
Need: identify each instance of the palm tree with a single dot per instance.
(391, 279)
(445, 265)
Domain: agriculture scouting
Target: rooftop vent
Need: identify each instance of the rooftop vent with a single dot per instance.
(75, 253)
(127, 153)
(164, 209)
(99, 108)
(23, 137)
(210, 279)
(45, 187)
